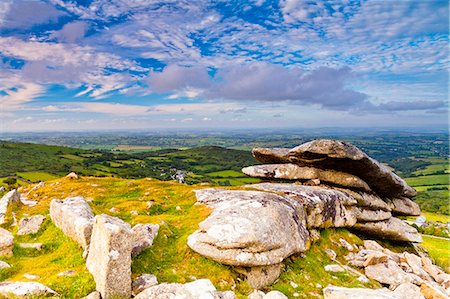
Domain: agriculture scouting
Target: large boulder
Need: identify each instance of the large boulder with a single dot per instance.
(295, 172)
(249, 228)
(271, 155)
(392, 229)
(324, 207)
(388, 273)
(202, 288)
(6, 243)
(74, 217)
(143, 236)
(25, 290)
(11, 196)
(30, 225)
(342, 156)
(404, 206)
(109, 258)
(367, 200)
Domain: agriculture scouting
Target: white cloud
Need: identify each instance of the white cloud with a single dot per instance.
(15, 92)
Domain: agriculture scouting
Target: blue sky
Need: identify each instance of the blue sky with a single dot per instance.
(140, 64)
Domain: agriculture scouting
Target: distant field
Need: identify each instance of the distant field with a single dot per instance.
(37, 176)
(439, 250)
(225, 174)
(434, 217)
(73, 157)
(126, 147)
(429, 180)
(430, 188)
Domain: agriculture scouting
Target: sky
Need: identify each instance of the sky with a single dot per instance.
(68, 65)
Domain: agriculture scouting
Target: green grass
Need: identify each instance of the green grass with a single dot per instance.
(429, 180)
(439, 250)
(225, 174)
(37, 176)
(73, 157)
(429, 188)
(433, 217)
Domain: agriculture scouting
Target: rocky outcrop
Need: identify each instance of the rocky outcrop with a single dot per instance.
(25, 290)
(6, 243)
(143, 236)
(295, 172)
(74, 217)
(11, 196)
(30, 225)
(271, 155)
(109, 258)
(202, 288)
(392, 228)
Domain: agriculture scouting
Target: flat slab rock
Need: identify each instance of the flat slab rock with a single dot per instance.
(74, 217)
(249, 228)
(391, 229)
(340, 156)
(25, 289)
(202, 288)
(291, 171)
(324, 207)
(407, 292)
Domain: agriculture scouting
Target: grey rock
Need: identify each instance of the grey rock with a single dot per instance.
(388, 273)
(295, 172)
(275, 295)
(408, 291)
(249, 228)
(226, 295)
(404, 206)
(432, 290)
(143, 236)
(392, 229)
(31, 276)
(271, 155)
(367, 200)
(72, 176)
(36, 246)
(345, 157)
(109, 258)
(372, 245)
(24, 289)
(346, 244)
(6, 243)
(74, 217)
(324, 207)
(262, 276)
(93, 295)
(375, 258)
(334, 268)
(67, 273)
(256, 294)
(11, 196)
(366, 215)
(30, 225)
(143, 282)
(4, 265)
(333, 292)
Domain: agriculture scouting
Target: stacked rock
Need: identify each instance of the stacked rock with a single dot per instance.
(336, 185)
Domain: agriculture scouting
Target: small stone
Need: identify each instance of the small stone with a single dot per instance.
(262, 276)
(31, 276)
(150, 204)
(37, 246)
(24, 289)
(256, 294)
(143, 236)
(143, 282)
(334, 268)
(226, 295)
(293, 284)
(296, 295)
(346, 245)
(331, 253)
(67, 273)
(363, 279)
(373, 245)
(431, 291)
(93, 295)
(6, 243)
(134, 213)
(318, 285)
(30, 225)
(178, 208)
(72, 176)
(113, 210)
(4, 265)
(314, 235)
(275, 295)
(375, 258)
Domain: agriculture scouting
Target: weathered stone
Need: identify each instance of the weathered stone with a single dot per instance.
(342, 156)
(271, 155)
(346, 244)
(430, 268)
(404, 206)
(324, 207)
(366, 215)
(333, 292)
(256, 294)
(67, 273)
(11, 196)
(275, 295)
(388, 273)
(334, 268)
(6, 243)
(408, 291)
(24, 289)
(296, 172)
(432, 291)
(392, 229)
(367, 200)
(375, 258)
(415, 262)
(249, 228)
(72, 175)
(226, 295)
(37, 246)
(4, 265)
(143, 236)
(31, 276)
(74, 217)
(109, 258)
(372, 245)
(260, 277)
(29, 203)
(202, 288)
(143, 282)
(30, 225)
(331, 253)
(93, 295)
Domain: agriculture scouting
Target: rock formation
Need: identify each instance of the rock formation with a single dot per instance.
(109, 258)
(11, 196)
(6, 243)
(30, 225)
(143, 236)
(335, 185)
(74, 217)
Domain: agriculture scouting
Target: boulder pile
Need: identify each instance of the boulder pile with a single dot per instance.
(333, 184)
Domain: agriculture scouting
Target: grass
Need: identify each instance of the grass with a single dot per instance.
(37, 176)
(429, 180)
(225, 174)
(433, 217)
(439, 250)
(73, 157)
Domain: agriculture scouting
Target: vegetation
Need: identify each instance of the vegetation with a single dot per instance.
(439, 250)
